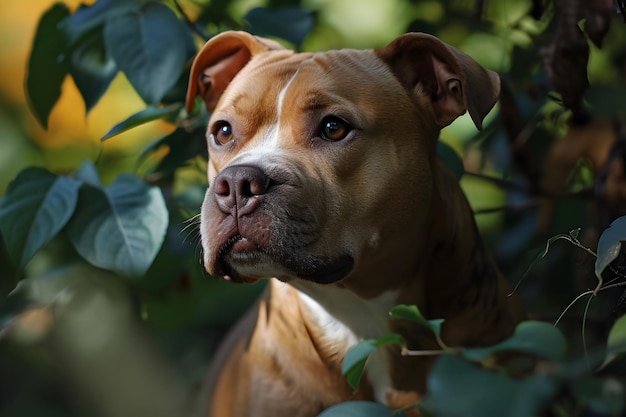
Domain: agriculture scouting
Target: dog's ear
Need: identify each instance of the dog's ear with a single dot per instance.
(449, 78)
(219, 60)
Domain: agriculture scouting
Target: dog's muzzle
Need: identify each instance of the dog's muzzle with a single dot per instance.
(261, 227)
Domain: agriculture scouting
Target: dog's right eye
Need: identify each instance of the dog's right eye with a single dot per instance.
(333, 129)
(222, 132)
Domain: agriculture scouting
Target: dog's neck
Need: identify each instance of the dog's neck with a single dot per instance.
(468, 293)
(466, 275)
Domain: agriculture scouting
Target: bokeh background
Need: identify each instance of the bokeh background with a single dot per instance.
(94, 344)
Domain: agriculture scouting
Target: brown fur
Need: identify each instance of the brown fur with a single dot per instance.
(347, 226)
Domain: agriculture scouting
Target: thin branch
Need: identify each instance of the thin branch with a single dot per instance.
(583, 193)
(192, 25)
(507, 185)
(409, 352)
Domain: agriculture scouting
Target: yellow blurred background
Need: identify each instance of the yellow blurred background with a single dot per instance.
(71, 135)
(18, 23)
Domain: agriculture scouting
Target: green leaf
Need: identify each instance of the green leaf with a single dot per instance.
(88, 18)
(121, 228)
(354, 362)
(46, 68)
(389, 339)
(616, 344)
(88, 174)
(149, 47)
(458, 388)
(412, 313)
(147, 115)
(360, 409)
(35, 208)
(451, 159)
(610, 244)
(92, 68)
(533, 337)
(290, 23)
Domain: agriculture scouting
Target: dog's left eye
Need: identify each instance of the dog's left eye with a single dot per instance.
(223, 132)
(334, 129)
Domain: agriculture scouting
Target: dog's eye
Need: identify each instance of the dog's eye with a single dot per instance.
(334, 129)
(223, 132)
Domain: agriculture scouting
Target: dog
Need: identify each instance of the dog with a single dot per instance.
(324, 178)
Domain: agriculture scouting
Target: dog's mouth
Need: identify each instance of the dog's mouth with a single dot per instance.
(244, 248)
(241, 260)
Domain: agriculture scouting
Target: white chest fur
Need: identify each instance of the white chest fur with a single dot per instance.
(347, 318)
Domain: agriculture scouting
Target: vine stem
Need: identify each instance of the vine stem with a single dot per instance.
(590, 292)
(583, 332)
(409, 352)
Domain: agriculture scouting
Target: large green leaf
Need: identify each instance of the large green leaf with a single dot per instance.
(610, 244)
(533, 337)
(147, 115)
(616, 344)
(88, 18)
(35, 208)
(46, 69)
(458, 388)
(149, 46)
(121, 228)
(92, 68)
(360, 409)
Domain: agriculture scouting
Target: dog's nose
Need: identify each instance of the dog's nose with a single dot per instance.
(237, 189)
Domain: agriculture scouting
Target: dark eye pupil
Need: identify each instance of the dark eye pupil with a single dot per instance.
(223, 133)
(334, 129)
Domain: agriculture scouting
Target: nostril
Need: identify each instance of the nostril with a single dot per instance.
(222, 186)
(258, 185)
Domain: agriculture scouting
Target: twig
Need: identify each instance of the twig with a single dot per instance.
(508, 185)
(192, 25)
(583, 193)
(409, 352)
(590, 292)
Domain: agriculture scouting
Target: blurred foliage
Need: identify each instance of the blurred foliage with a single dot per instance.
(78, 339)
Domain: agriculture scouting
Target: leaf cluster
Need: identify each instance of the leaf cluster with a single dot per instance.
(520, 376)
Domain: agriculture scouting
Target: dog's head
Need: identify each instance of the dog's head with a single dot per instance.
(321, 164)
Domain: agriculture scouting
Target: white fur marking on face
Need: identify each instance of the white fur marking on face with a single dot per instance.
(270, 143)
(345, 317)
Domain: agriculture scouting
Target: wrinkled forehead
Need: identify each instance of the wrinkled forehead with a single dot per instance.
(307, 80)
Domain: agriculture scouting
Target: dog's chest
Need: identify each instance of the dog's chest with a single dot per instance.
(345, 319)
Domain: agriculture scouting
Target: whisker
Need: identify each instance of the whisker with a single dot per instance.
(191, 229)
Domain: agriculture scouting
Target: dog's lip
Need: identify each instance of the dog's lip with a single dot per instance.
(327, 273)
(236, 243)
(332, 272)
